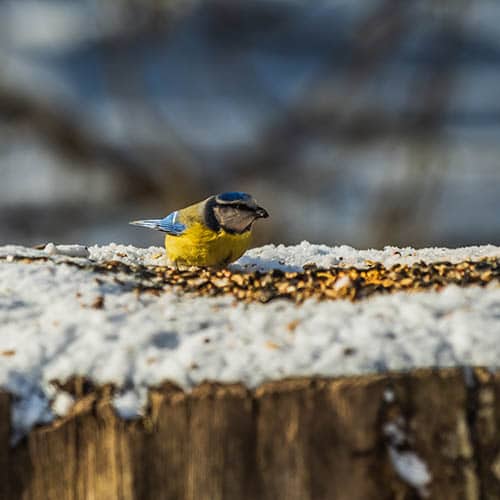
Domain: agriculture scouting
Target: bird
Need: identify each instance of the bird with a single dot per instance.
(211, 233)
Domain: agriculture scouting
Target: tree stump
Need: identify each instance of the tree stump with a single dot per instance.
(425, 434)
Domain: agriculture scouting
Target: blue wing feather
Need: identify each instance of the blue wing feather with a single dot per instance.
(170, 225)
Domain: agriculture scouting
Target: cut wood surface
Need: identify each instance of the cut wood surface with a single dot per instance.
(426, 434)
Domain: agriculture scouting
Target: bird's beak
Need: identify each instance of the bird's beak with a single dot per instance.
(261, 212)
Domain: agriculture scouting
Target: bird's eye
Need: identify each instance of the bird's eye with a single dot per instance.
(236, 206)
(244, 206)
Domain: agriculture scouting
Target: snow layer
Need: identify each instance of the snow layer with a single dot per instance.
(295, 257)
(286, 258)
(54, 324)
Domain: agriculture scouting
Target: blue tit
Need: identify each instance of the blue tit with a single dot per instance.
(211, 233)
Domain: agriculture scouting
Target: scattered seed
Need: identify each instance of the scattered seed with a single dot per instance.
(98, 302)
(322, 284)
(293, 325)
(272, 345)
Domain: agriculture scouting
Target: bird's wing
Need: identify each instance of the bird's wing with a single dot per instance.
(168, 224)
(171, 225)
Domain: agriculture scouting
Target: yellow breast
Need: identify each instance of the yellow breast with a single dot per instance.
(200, 246)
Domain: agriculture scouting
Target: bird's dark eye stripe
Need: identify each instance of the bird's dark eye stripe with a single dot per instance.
(238, 206)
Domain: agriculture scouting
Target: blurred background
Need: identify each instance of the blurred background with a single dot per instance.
(359, 122)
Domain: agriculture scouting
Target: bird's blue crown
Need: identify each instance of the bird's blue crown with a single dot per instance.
(233, 196)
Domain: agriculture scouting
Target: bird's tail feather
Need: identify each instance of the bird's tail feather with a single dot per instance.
(149, 223)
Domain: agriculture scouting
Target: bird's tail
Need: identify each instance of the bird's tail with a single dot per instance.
(149, 223)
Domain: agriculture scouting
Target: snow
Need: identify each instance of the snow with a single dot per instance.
(407, 464)
(68, 250)
(62, 403)
(51, 329)
(389, 396)
(295, 257)
(285, 258)
(411, 469)
(129, 403)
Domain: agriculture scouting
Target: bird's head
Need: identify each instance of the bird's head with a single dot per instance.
(234, 212)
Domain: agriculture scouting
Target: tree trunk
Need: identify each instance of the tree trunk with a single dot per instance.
(425, 434)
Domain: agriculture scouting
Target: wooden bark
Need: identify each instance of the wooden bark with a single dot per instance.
(295, 440)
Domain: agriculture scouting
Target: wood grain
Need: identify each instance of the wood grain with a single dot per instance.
(308, 439)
